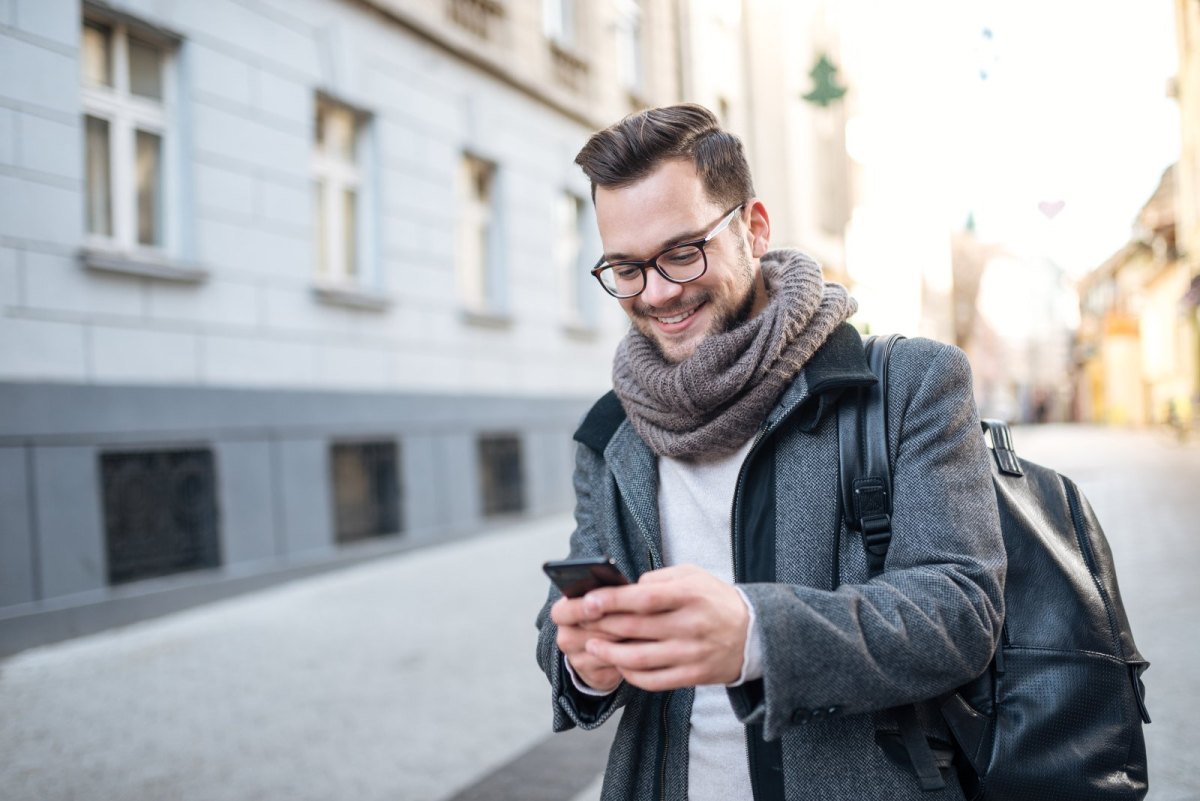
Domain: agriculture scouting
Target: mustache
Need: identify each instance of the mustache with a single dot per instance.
(646, 310)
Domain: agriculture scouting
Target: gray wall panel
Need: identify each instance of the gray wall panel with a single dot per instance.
(458, 470)
(16, 535)
(305, 495)
(69, 520)
(246, 501)
(272, 462)
(421, 486)
(538, 464)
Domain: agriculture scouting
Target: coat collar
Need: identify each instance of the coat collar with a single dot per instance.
(839, 364)
(635, 469)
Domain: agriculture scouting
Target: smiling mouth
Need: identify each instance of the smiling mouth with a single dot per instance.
(678, 318)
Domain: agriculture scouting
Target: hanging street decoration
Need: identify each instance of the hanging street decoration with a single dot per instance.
(826, 89)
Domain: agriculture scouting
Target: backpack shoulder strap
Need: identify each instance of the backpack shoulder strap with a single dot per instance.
(866, 475)
(866, 490)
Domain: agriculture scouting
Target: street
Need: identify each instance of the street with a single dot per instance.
(412, 678)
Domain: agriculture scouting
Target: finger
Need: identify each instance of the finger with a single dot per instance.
(672, 573)
(568, 612)
(662, 680)
(651, 655)
(639, 599)
(604, 678)
(625, 626)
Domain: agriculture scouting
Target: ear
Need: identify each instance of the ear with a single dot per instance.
(759, 228)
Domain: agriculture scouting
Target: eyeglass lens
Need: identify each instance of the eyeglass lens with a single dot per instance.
(681, 264)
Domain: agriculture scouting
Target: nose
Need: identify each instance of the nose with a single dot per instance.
(660, 292)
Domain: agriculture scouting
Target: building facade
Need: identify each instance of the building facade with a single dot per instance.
(1139, 344)
(1187, 232)
(288, 284)
(279, 278)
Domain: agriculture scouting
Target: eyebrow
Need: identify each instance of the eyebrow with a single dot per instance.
(690, 236)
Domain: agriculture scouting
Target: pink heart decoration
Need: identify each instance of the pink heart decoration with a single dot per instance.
(1051, 208)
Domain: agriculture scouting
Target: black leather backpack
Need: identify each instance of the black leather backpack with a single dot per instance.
(1058, 713)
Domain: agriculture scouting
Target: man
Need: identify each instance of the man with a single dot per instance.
(752, 655)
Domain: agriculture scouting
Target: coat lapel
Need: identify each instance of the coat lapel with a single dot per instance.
(635, 469)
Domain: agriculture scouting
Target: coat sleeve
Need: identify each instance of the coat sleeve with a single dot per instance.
(931, 620)
(569, 706)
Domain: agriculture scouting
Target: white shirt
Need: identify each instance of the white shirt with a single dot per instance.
(695, 505)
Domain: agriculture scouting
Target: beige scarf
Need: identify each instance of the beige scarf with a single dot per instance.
(712, 402)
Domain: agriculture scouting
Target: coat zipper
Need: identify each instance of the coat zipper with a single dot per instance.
(733, 541)
(733, 544)
(666, 737)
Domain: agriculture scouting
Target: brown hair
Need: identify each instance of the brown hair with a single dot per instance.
(631, 149)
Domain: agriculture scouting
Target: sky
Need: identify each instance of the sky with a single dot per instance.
(1070, 133)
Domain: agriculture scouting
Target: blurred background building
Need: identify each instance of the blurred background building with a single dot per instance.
(1138, 348)
(289, 283)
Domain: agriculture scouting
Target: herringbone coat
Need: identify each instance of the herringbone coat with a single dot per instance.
(834, 660)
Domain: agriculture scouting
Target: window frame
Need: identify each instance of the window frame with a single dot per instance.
(338, 175)
(368, 453)
(630, 32)
(126, 114)
(481, 287)
(577, 294)
(511, 492)
(561, 23)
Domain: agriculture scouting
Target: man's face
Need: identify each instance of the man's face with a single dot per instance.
(667, 207)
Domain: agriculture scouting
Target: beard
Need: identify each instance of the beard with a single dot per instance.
(726, 320)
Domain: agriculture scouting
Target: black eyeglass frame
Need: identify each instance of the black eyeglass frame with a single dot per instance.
(645, 264)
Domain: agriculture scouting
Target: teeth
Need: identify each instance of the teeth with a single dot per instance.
(677, 318)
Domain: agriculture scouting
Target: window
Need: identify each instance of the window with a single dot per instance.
(126, 134)
(501, 481)
(476, 246)
(337, 192)
(160, 513)
(571, 257)
(480, 17)
(631, 45)
(366, 489)
(561, 26)
(559, 22)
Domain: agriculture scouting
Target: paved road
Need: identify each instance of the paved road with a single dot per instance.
(412, 678)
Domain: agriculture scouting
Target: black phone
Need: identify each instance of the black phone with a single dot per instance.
(576, 577)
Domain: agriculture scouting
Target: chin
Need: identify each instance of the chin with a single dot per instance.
(675, 350)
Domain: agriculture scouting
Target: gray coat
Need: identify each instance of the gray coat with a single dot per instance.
(834, 660)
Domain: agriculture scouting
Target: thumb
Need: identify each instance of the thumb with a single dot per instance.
(673, 573)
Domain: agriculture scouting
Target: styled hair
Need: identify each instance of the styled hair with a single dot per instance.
(631, 149)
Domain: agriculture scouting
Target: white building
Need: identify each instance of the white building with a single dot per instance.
(280, 276)
(277, 276)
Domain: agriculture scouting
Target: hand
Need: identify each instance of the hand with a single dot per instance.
(677, 627)
(571, 617)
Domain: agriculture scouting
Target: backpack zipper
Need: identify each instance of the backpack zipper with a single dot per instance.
(1090, 559)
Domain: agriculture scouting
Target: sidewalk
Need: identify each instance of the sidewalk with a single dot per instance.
(408, 678)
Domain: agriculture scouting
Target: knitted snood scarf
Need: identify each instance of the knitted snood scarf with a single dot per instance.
(710, 403)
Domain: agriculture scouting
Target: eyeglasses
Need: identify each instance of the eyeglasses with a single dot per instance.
(678, 264)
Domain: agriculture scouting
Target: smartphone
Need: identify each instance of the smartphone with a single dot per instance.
(576, 577)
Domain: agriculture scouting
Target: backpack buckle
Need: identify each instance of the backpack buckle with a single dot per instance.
(876, 533)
